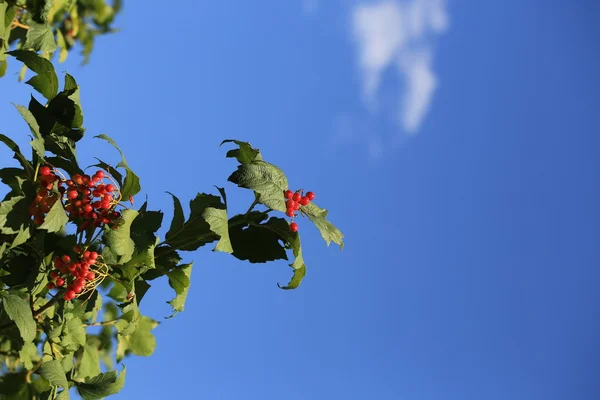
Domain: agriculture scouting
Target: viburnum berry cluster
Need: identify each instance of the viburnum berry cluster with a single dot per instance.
(45, 198)
(90, 202)
(77, 275)
(295, 200)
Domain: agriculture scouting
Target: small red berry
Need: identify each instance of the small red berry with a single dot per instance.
(65, 258)
(110, 187)
(290, 212)
(93, 255)
(88, 208)
(86, 254)
(39, 220)
(50, 285)
(90, 276)
(45, 170)
(77, 248)
(78, 289)
(294, 227)
(297, 196)
(54, 274)
(290, 204)
(288, 194)
(310, 195)
(72, 194)
(71, 294)
(60, 282)
(100, 174)
(304, 201)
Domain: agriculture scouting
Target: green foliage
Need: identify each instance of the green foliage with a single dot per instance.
(48, 234)
(52, 28)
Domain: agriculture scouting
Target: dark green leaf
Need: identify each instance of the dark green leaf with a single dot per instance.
(102, 385)
(40, 38)
(18, 155)
(38, 141)
(19, 312)
(46, 82)
(178, 218)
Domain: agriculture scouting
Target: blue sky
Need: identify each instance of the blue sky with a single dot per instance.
(454, 143)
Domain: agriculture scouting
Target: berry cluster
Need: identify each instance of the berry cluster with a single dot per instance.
(75, 276)
(294, 200)
(45, 198)
(90, 202)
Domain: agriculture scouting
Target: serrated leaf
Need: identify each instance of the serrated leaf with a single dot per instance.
(13, 215)
(266, 179)
(21, 237)
(56, 219)
(102, 385)
(245, 154)
(18, 155)
(178, 218)
(40, 37)
(141, 342)
(54, 373)
(38, 142)
(28, 354)
(19, 312)
(89, 363)
(131, 184)
(329, 232)
(73, 335)
(46, 81)
(256, 244)
(217, 219)
(119, 239)
(196, 231)
(179, 280)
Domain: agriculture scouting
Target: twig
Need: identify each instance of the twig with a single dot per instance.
(17, 24)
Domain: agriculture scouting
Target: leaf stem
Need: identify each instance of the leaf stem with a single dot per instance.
(103, 323)
(254, 203)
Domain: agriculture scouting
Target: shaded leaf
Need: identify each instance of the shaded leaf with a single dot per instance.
(46, 81)
(179, 280)
(54, 373)
(19, 312)
(56, 219)
(102, 385)
(119, 239)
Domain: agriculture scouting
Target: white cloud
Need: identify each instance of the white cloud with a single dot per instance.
(393, 33)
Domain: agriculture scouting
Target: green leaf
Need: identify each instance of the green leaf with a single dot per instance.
(21, 237)
(18, 155)
(217, 219)
(13, 215)
(46, 82)
(38, 141)
(196, 231)
(28, 354)
(102, 385)
(73, 335)
(141, 342)
(119, 239)
(89, 363)
(267, 180)
(131, 185)
(40, 38)
(328, 231)
(179, 280)
(178, 218)
(245, 154)
(256, 244)
(19, 312)
(56, 219)
(130, 319)
(54, 373)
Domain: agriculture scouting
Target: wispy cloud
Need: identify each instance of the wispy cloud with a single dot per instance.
(399, 34)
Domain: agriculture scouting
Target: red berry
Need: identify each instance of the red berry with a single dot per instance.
(70, 183)
(45, 170)
(97, 204)
(290, 204)
(65, 258)
(110, 187)
(77, 248)
(290, 212)
(96, 178)
(39, 220)
(288, 194)
(304, 201)
(294, 227)
(60, 282)
(93, 255)
(99, 174)
(297, 196)
(50, 285)
(78, 289)
(85, 179)
(72, 194)
(106, 205)
(45, 208)
(86, 254)
(310, 195)
(90, 276)
(71, 294)
(77, 179)
(88, 208)
(54, 274)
